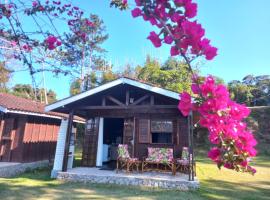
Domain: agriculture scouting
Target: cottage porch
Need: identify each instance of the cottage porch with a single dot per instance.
(148, 179)
(128, 112)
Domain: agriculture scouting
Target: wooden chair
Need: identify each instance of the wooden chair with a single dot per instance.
(159, 157)
(125, 161)
(182, 164)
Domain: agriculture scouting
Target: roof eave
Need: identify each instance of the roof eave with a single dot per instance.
(38, 114)
(3, 109)
(119, 81)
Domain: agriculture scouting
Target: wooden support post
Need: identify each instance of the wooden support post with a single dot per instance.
(103, 101)
(189, 149)
(68, 136)
(192, 147)
(152, 100)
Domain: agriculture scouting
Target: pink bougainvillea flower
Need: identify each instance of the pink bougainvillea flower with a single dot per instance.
(222, 117)
(228, 166)
(210, 52)
(138, 2)
(253, 170)
(195, 88)
(52, 42)
(168, 39)
(34, 3)
(185, 104)
(153, 21)
(27, 47)
(190, 10)
(174, 51)
(214, 154)
(154, 39)
(58, 43)
(89, 23)
(176, 17)
(238, 111)
(136, 12)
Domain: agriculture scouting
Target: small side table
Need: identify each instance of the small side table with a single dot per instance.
(134, 164)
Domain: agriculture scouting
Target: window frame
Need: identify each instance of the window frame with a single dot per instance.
(151, 133)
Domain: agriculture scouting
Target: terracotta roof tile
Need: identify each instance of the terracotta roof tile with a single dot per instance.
(15, 103)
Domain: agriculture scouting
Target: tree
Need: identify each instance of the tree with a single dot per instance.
(240, 92)
(75, 87)
(86, 51)
(44, 41)
(108, 76)
(172, 75)
(252, 90)
(26, 91)
(5, 75)
(51, 95)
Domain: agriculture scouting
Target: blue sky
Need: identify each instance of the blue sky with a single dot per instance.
(240, 29)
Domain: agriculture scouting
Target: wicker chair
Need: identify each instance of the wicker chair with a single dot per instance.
(124, 160)
(182, 164)
(160, 158)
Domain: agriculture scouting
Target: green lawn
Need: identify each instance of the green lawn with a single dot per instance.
(215, 184)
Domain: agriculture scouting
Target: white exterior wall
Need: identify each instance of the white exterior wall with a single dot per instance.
(60, 148)
(100, 143)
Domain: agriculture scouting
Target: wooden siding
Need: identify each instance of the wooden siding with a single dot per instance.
(143, 106)
(31, 138)
(179, 131)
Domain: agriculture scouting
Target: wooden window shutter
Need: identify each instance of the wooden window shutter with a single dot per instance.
(144, 131)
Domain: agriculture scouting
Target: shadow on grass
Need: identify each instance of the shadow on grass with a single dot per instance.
(217, 189)
(37, 184)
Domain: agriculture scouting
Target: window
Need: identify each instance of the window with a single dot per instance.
(161, 131)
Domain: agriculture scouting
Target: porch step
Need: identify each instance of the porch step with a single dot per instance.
(148, 179)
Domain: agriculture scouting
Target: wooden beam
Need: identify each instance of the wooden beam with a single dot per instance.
(140, 100)
(126, 114)
(127, 97)
(127, 107)
(68, 136)
(115, 100)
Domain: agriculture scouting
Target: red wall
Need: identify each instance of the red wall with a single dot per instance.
(32, 138)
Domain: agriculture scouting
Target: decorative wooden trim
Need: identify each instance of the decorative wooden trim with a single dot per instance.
(140, 100)
(114, 100)
(157, 90)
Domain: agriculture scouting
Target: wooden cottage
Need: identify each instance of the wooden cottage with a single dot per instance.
(27, 133)
(125, 111)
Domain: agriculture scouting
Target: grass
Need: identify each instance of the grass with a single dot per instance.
(215, 184)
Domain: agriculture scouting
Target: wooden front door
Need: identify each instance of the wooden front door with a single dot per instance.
(90, 143)
(129, 134)
(6, 140)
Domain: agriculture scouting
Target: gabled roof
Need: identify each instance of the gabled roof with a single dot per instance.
(128, 81)
(13, 104)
